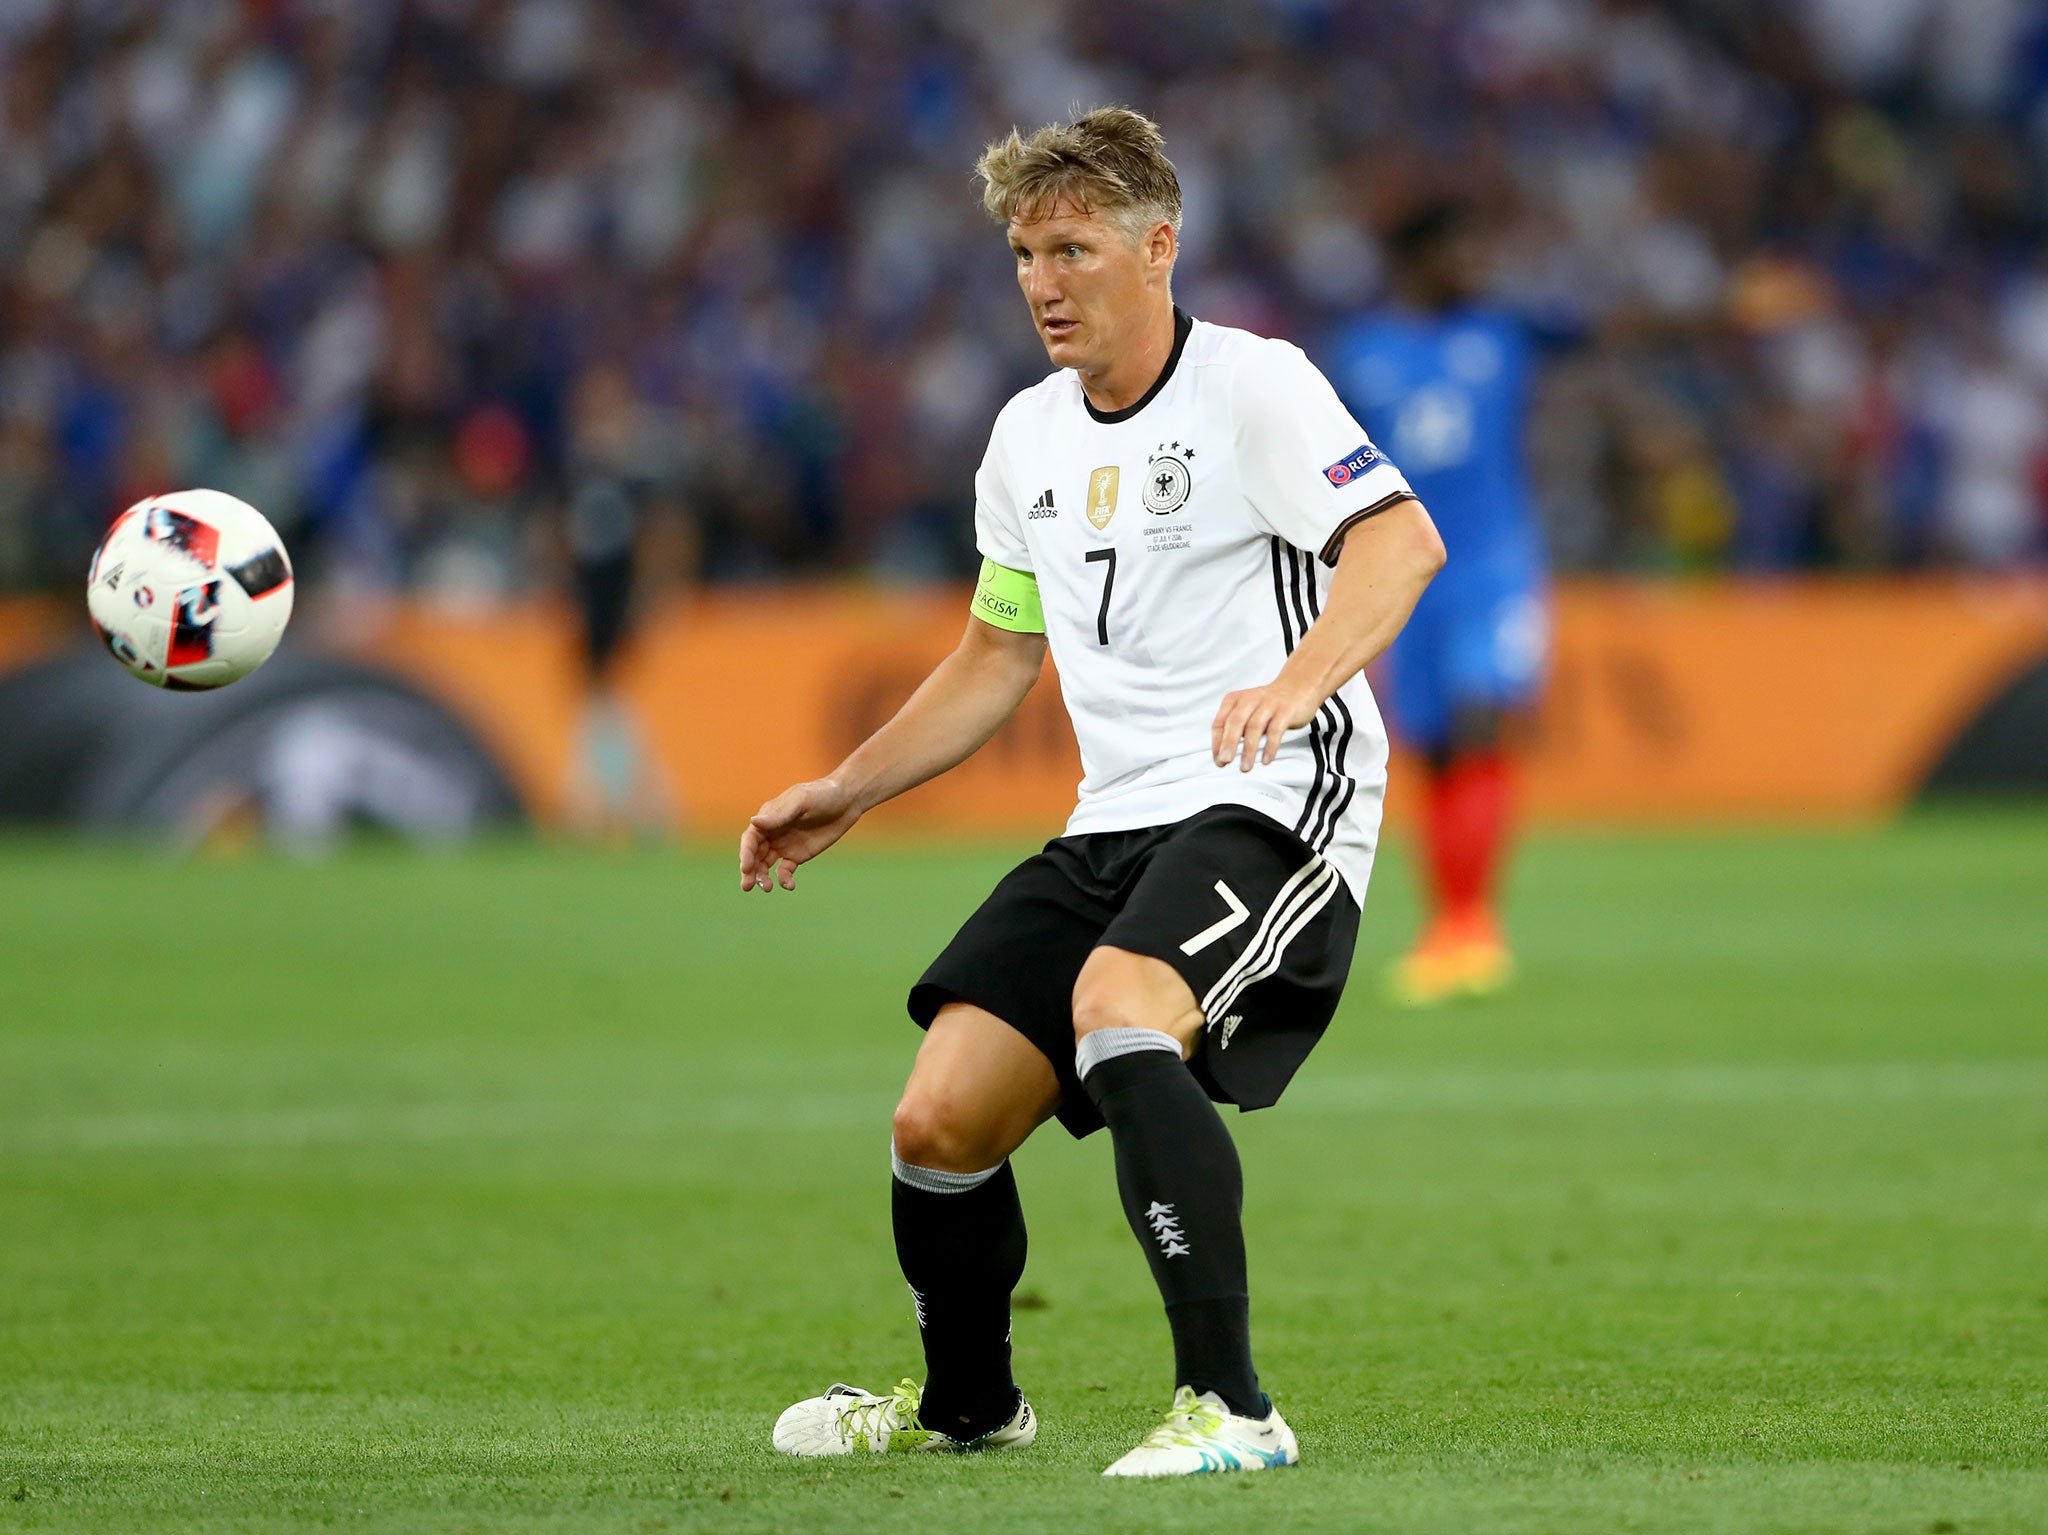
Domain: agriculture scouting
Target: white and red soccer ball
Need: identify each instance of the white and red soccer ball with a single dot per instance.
(190, 590)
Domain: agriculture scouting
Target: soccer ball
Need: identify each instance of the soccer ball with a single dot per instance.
(190, 590)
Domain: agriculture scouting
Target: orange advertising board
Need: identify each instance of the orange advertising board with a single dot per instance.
(740, 694)
(1767, 700)
(1667, 702)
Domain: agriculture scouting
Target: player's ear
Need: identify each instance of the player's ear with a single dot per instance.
(1161, 246)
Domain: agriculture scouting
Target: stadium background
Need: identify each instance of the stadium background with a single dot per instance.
(616, 373)
(499, 309)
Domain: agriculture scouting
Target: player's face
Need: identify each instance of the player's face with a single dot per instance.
(1087, 283)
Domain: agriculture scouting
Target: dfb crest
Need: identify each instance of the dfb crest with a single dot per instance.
(1169, 479)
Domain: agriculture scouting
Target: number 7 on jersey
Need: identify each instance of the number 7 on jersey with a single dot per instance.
(1108, 585)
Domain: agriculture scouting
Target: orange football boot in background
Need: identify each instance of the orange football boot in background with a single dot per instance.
(1460, 955)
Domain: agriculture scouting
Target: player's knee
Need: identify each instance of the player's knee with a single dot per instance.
(1111, 993)
(1099, 1006)
(932, 1130)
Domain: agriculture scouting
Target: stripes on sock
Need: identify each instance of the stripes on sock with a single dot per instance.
(932, 1180)
(1107, 1044)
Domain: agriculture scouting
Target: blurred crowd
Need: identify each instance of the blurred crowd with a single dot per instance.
(482, 297)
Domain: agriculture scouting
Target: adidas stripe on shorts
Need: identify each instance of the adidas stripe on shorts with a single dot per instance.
(1259, 925)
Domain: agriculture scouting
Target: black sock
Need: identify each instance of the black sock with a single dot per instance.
(962, 1250)
(1183, 1193)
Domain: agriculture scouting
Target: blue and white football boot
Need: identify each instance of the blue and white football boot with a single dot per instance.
(1200, 1434)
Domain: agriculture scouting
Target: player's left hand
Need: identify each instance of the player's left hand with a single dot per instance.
(1250, 723)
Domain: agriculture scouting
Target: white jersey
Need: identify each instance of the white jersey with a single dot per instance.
(1181, 548)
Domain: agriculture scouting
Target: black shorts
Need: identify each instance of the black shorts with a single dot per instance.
(1258, 925)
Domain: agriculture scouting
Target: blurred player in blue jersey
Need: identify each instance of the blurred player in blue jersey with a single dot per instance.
(1440, 380)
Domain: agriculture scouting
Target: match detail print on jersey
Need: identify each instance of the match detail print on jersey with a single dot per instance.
(1008, 599)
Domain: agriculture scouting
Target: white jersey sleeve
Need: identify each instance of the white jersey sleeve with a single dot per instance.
(1309, 470)
(998, 522)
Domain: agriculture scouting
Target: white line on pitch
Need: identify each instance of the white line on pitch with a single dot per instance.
(1847, 1086)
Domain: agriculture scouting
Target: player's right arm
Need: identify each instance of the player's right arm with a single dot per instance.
(954, 711)
(957, 708)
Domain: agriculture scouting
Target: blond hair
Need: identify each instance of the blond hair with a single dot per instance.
(1111, 161)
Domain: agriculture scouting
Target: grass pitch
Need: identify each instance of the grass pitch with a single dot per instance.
(519, 1190)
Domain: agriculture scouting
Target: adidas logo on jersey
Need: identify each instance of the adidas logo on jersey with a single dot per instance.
(1042, 507)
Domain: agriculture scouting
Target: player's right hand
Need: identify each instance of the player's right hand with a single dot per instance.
(792, 828)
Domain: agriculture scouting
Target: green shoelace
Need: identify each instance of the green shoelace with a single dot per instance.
(862, 1421)
(1187, 1422)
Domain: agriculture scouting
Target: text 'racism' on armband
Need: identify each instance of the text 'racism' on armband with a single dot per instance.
(1008, 599)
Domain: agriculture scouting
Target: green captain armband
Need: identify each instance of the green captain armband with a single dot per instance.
(1008, 599)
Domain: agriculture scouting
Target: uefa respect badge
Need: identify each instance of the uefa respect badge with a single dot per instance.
(1353, 464)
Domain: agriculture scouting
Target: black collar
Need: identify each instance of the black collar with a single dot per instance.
(1182, 325)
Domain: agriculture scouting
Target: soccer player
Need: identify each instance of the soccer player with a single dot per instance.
(1441, 379)
(1213, 550)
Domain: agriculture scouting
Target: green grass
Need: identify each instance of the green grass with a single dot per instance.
(519, 1190)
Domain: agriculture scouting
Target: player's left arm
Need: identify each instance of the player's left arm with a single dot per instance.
(1385, 563)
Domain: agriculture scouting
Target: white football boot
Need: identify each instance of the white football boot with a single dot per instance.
(847, 1418)
(1199, 1433)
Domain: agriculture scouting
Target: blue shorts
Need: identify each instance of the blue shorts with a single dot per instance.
(1480, 642)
